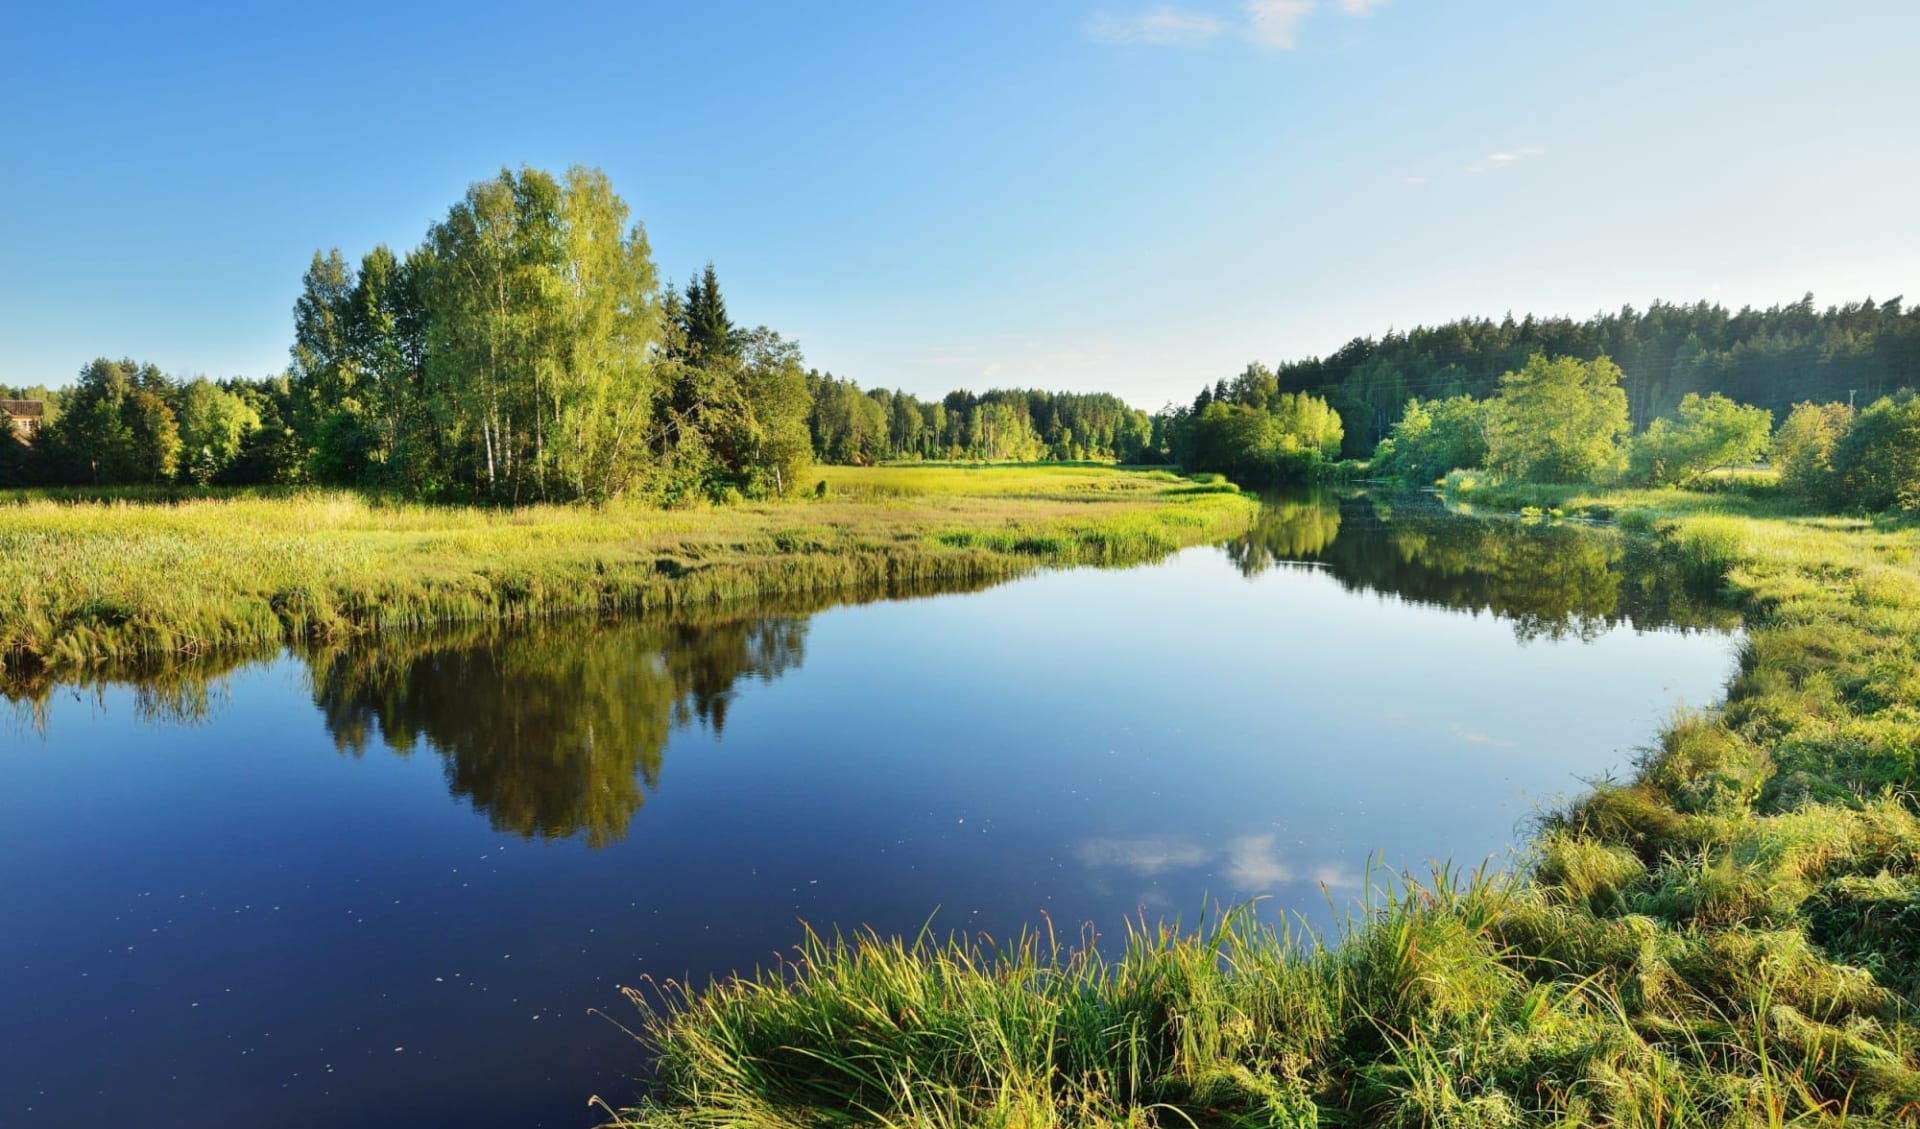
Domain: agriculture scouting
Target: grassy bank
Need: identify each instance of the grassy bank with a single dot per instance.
(1732, 937)
(92, 580)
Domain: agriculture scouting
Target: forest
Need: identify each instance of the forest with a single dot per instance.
(1564, 420)
(1772, 359)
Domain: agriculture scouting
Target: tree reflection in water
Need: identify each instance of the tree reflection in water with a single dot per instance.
(1552, 580)
(554, 731)
(557, 729)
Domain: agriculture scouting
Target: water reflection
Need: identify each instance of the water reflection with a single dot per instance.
(556, 732)
(1551, 580)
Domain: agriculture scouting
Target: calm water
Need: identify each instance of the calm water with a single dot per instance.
(402, 885)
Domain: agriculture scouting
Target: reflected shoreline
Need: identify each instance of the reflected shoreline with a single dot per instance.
(556, 729)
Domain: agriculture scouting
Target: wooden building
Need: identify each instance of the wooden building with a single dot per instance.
(23, 417)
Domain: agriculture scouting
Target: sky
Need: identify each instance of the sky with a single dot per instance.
(1093, 196)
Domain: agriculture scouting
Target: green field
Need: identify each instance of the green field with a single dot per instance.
(1732, 937)
(94, 579)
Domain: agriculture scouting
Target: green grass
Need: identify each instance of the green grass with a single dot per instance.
(1731, 937)
(95, 579)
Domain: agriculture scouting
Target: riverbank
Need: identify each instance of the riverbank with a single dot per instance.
(93, 581)
(1731, 937)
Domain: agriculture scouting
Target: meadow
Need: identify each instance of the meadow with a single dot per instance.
(1729, 937)
(155, 576)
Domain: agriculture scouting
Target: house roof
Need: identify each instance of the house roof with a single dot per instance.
(26, 408)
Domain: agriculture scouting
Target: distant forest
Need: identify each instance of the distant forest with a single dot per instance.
(1773, 359)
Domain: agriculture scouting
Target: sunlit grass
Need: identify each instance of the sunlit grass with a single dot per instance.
(93, 580)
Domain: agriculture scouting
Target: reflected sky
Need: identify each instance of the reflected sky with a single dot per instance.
(389, 885)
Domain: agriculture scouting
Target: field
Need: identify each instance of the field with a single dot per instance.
(1731, 937)
(136, 577)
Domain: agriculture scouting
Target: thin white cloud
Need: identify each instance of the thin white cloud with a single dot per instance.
(1156, 27)
(1506, 157)
(1335, 878)
(1274, 23)
(1255, 866)
(1360, 7)
(1145, 857)
(1474, 736)
(1413, 180)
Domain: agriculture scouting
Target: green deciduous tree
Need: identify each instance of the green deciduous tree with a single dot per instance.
(1803, 448)
(542, 320)
(1254, 445)
(214, 422)
(116, 426)
(1703, 434)
(1876, 463)
(1434, 437)
(1558, 420)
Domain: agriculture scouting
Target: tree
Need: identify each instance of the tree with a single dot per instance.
(776, 388)
(1433, 438)
(1803, 448)
(1558, 420)
(213, 424)
(1308, 423)
(1876, 463)
(116, 426)
(1253, 446)
(709, 333)
(155, 435)
(1702, 435)
(542, 318)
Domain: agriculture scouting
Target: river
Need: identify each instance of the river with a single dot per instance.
(402, 884)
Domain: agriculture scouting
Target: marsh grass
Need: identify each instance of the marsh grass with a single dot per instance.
(99, 579)
(1729, 938)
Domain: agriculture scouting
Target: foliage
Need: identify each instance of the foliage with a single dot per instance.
(1256, 436)
(1876, 463)
(115, 426)
(541, 321)
(214, 422)
(1558, 420)
(1829, 456)
(1433, 438)
(859, 428)
(1803, 447)
(1702, 435)
(1770, 358)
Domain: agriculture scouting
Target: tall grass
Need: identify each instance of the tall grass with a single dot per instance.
(108, 579)
(1731, 937)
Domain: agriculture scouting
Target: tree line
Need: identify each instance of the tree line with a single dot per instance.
(526, 350)
(1565, 420)
(1544, 400)
(1771, 359)
(849, 426)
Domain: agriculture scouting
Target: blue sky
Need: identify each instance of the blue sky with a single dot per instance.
(1130, 197)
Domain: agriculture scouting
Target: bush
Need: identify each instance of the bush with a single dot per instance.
(1876, 462)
